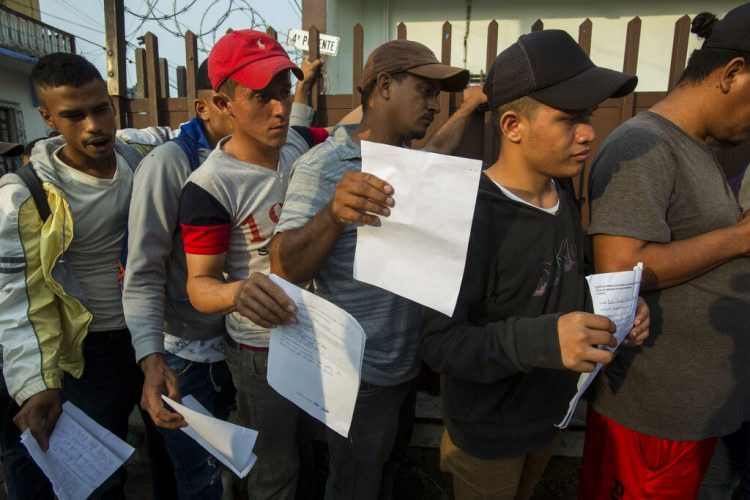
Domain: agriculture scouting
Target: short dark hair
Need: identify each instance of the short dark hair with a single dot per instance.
(201, 78)
(525, 105)
(61, 69)
(228, 87)
(367, 91)
(706, 60)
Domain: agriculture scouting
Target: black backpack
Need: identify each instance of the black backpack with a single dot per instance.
(29, 176)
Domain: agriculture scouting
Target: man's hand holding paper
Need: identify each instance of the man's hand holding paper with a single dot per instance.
(360, 198)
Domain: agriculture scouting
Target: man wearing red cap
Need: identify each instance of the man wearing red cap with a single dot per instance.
(228, 211)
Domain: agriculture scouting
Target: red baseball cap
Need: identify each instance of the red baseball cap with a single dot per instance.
(250, 58)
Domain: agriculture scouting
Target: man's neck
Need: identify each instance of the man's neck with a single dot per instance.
(101, 169)
(245, 149)
(683, 107)
(374, 129)
(515, 176)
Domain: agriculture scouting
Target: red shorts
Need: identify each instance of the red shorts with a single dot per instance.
(622, 464)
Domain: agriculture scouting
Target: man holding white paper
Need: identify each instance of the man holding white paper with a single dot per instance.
(510, 354)
(328, 197)
(659, 196)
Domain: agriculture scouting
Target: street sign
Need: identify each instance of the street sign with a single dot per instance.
(329, 45)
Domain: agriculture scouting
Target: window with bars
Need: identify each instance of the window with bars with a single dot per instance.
(11, 130)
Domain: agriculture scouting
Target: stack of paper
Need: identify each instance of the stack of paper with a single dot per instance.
(81, 455)
(615, 295)
(231, 444)
(316, 363)
(426, 237)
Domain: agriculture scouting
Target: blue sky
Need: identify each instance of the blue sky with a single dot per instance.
(85, 20)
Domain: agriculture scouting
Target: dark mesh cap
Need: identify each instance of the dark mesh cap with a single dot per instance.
(412, 57)
(551, 68)
(732, 32)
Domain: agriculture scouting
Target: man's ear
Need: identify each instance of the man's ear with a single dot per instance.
(511, 126)
(384, 84)
(201, 109)
(223, 102)
(730, 72)
(48, 121)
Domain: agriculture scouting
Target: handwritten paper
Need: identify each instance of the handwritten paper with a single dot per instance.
(316, 363)
(614, 295)
(231, 444)
(419, 251)
(81, 455)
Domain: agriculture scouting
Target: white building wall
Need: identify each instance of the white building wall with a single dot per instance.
(424, 20)
(15, 82)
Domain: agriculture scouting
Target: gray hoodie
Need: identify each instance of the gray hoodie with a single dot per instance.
(155, 298)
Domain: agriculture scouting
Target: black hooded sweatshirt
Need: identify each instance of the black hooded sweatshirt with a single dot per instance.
(503, 383)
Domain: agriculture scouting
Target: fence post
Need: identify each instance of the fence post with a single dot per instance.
(181, 78)
(114, 22)
(163, 78)
(679, 51)
(154, 80)
(401, 31)
(318, 100)
(490, 140)
(272, 33)
(446, 98)
(191, 63)
(630, 63)
(584, 36)
(141, 72)
(357, 62)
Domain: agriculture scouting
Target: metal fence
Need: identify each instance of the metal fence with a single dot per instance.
(153, 105)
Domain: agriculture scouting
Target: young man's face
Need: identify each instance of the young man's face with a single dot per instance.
(263, 115)
(85, 117)
(414, 104)
(557, 143)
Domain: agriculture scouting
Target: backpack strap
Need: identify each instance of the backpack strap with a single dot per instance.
(34, 183)
(190, 148)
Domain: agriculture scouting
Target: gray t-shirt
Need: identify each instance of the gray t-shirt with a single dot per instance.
(745, 191)
(390, 322)
(231, 206)
(654, 182)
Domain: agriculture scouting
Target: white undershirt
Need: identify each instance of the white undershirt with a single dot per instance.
(509, 194)
(100, 215)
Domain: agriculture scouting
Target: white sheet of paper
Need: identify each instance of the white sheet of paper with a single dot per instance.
(614, 295)
(81, 455)
(316, 363)
(231, 444)
(419, 251)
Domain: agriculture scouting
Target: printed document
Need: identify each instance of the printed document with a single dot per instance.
(614, 295)
(316, 363)
(419, 251)
(81, 455)
(231, 444)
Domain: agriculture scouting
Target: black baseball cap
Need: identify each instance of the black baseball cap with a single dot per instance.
(732, 32)
(551, 68)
